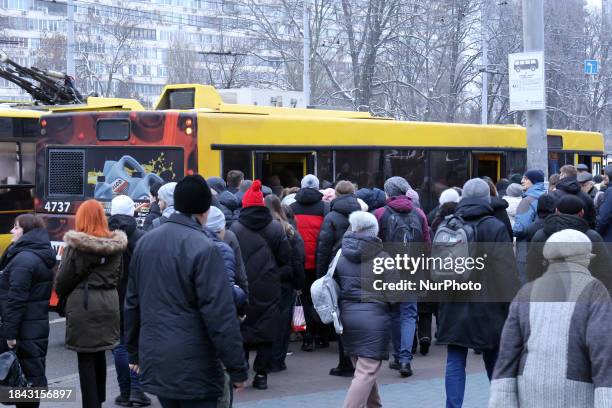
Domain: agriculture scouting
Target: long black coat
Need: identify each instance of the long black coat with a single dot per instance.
(126, 224)
(499, 206)
(471, 323)
(265, 251)
(599, 266)
(332, 230)
(180, 318)
(25, 288)
(366, 324)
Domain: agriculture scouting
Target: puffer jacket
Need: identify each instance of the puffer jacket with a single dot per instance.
(569, 185)
(599, 266)
(229, 259)
(471, 322)
(334, 226)
(25, 288)
(527, 210)
(604, 218)
(227, 202)
(241, 276)
(403, 204)
(366, 323)
(126, 224)
(89, 276)
(374, 198)
(513, 203)
(265, 251)
(309, 210)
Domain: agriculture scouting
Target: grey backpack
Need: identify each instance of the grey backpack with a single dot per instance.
(324, 292)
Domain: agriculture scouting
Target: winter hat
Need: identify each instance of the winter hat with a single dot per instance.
(476, 188)
(396, 186)
(288, 199)
(123, 205)
(166, 193)
(328, 194)
(546, 205)
(253, 197)
(215, 220)
(556, 248)
(310, 181)
(515, 178)
(584, 177)
(192, 195)
(514, 190)
(364, 222)
(413, 196)
(570, 204)
(608, 170)
(449, 195)
(535, 176)
(582, 167)
(265, 190)
(374, 198)
(217, 184)
(364, 206)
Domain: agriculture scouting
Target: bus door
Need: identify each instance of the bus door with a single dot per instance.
(486, 164)
(279, 170)
(596, 167)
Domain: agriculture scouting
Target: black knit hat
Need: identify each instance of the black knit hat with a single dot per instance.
(570, 204)
(192, 195)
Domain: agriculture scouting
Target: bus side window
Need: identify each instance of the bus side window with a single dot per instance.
(237, 160)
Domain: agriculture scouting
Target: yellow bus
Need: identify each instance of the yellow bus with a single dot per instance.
(98, 155)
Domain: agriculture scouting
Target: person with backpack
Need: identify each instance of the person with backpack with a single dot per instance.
(526, 212)
(166, 204)
(401, 221)
(569, 214)
(365, 315)
(266, 252)
(122, 218)
(555, 348)
(333, 228)
(466, 320)
(26, 282)
(310, 210)
(292, 279)
(88, 279)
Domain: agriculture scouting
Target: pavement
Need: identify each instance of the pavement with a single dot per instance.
(306, 382)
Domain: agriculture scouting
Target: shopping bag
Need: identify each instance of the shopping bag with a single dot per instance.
(298, 324)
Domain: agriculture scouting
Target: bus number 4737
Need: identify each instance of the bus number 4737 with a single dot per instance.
(57, 206)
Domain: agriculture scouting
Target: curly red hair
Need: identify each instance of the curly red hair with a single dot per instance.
(91, 220)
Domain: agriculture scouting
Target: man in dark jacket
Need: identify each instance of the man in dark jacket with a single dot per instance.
(471, 321)
(180, 318)
(122, 218)
(546, 207)
(568, 184)
(604, 218)
(25, 289)
(266, 251)
(404, 318)
(228, 203)
(569, 215)
(234, 178)
(309, 210)
(154, 210)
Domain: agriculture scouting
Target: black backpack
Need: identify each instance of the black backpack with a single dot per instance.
(401, 228)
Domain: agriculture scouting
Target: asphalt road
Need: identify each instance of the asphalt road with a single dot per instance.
(305, 383)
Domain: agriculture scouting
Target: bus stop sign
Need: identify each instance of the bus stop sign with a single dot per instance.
(527, 86)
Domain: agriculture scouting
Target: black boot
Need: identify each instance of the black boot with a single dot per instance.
(342, 372)
(139, 399)
(394, 364)
(260, 382)
(405, 370)
(425, 342)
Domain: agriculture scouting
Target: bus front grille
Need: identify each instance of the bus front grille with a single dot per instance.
(66, 172)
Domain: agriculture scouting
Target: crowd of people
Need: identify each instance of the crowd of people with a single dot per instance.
(214, 272)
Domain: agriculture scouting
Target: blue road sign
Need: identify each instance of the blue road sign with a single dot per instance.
(591, 67)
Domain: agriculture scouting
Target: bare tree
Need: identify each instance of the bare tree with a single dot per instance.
(51, 53)
(182, 63)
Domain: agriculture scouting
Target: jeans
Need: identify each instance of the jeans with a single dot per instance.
(455, 373)
(175, 403)
(403, 325)
(127, 379)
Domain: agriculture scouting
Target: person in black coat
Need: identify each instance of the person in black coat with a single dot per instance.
(122, 218)
(266, 251)
(568, 184)
(499, 206)
(180, 318)
(154, 210)
(292, 279)
(25, 289)
(227, 201)
(471, 321)
(569, 215)
(546, 206)
(364, 313)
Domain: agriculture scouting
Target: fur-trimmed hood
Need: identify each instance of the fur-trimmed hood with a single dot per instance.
(117, 242)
